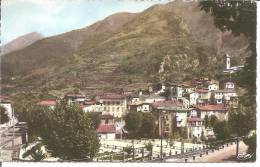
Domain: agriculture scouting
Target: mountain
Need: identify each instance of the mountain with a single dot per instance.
(20, 42)
(125, 48)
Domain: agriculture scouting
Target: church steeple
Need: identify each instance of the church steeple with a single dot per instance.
(227, 62)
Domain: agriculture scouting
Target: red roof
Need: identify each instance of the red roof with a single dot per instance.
(106, 129)
(209, 107)
(4, 99)
(195, 119)
(47, 103)
(202, 90)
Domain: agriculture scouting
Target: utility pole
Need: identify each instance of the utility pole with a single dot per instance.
(13, 126)
(237, 139)
(162, 119)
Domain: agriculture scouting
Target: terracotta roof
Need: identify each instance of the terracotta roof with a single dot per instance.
(47, 103)
(202, 90)
(106, 129)
(107, 116)
(195, 119)
(209, 107)
(4, 99)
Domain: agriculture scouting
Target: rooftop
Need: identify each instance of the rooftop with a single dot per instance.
(112, 96)
(106, 129)
(195, 119)
(168, 105)
(210, 107)
(47, 103)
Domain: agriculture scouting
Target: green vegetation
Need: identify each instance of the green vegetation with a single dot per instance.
(234, 16)
(4, 118)
(140, 125)
(221, 130)
(66, 131)
(111, 56)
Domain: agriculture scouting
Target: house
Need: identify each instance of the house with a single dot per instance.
(193, 98)
(195, 127)
(107, 120)
(48, 103)
(107, 132)
(172, 113)
(75, 98)
(213, 85)
(229, 95)
(177, 90)
(151, 98)
(5, 102)
(219, 97)
(204, 95)
(114, 104)
(184, 101)
(229, 85)
(91, 106)
(219, 110)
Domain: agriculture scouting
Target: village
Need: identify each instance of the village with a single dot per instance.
(181, 108)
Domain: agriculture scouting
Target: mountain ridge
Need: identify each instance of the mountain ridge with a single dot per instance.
(130, 53)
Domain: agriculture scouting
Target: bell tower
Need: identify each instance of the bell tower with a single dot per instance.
(227, 61)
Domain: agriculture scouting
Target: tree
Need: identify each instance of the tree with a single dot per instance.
(147, 126)
(221, 130)
(240, 18)
(206, 119)
(251, 142)
(213, 119)
(133, 122)
(95, 118)
(212, 98)
(68, 133)
(4, 118)
(238, 121)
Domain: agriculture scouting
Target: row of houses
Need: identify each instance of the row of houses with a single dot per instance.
(186, 105)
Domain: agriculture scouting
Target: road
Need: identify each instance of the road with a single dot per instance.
(223, 155)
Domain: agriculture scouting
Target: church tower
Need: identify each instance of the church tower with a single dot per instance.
(227, 61)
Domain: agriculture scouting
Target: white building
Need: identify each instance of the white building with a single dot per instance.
(75, 98)
(219, 110)
(114, 104)
(151, 98)
(193, 97)
(229, 85)
(195, 127)
(184, 101)
(107, 132)
(213, 86)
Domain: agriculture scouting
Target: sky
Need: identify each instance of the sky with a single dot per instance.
(52, 17)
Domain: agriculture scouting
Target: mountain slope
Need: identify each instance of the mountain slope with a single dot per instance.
(20, 42)
(123, 49)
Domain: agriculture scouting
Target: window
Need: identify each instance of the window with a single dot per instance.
(106, 122)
